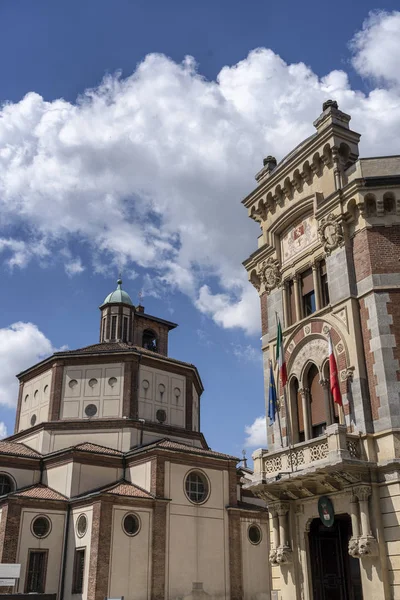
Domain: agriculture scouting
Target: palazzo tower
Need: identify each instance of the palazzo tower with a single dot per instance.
(328, 260)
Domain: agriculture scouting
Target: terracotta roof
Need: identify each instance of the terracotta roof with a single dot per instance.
(40, 492)
(124, 488)
(17, 449)
(182, 447)
(96, 448)
(108, 347)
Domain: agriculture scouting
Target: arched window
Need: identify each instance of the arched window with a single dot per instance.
(318, 416)
(150, 340)
(6, 484)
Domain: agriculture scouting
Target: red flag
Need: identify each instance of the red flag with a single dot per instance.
(280, 354)
(334, 379)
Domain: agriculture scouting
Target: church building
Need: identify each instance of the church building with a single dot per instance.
(108, 488)
(328, 265)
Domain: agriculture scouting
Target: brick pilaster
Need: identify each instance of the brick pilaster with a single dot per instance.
(235, 555)
(100, 550)
(189, 403)
(159, 540)
(130, 403)
(9, 532)
(56, 391)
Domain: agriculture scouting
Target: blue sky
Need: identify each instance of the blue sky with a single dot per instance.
(120, 152)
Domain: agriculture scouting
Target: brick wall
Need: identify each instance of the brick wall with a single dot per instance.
(100, 550)
(159, 541)
(235, 556)
(376, 251)
(393, 308)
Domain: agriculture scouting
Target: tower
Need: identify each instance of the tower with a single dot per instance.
(328, 262)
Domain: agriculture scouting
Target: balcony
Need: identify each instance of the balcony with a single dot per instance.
(327, 463)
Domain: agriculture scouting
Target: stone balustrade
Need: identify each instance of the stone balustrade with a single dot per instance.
(335, 445)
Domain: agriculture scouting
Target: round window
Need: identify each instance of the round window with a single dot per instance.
(131, 524)
(90, 410)
(81, 525)
(33, 420)
(196, 487)
(93, 382)
(254, 534)
(41, 527)
(6, 485)
(161, 415)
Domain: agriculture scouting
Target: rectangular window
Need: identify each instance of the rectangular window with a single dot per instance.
(125, 330)
(324, 284)
(113, 327)
(36, 572)
(308, 293)
(79, 570)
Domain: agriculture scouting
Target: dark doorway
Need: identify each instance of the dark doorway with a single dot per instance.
(335, 574)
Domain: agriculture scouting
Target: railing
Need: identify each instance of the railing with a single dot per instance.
(335, 444)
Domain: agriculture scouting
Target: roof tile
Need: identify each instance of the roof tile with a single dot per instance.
(17, 449)
(97, 448)
(182, 447)
(128, 489)
(40, 492)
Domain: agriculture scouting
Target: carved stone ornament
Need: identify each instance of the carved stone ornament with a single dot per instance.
(363, 547)
(283, 555)
(269, 274)
(330, 233)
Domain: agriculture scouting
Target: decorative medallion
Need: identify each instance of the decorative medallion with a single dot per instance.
(269, 274)
(326, 511)
(339, 348)
(307, 329)
(330, 233)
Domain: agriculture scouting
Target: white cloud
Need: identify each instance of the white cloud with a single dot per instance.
(21, 345)
(3, 430)
(247, 354)
(256, 433)
(377, 47)
(149, 171)
(74, 267)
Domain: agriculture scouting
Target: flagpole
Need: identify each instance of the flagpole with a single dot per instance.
(288, 419)
(278, 409)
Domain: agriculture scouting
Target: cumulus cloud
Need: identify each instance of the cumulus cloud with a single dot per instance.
(3, 430)
(256, 433)
(148, 171)
(21, 345)
(377, 47)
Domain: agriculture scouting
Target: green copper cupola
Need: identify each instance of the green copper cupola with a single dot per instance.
(117, 315)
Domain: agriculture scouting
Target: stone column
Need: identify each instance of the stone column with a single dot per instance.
(363, 493)
(327, 401)
(297, 297)
(275, 534)
(284, 551)
(286, 311)
(367, 544)
(317, 287)
(305, 399)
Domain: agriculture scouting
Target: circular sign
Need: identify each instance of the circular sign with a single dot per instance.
(326, 512)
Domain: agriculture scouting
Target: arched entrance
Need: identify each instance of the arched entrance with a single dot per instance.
(335, 574)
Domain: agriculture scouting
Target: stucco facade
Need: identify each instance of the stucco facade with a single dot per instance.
(108, 487)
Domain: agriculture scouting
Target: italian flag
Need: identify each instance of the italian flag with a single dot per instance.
(280, 355)
(334, 379)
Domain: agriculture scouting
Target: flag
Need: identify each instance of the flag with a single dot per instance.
(280, 355)
(271, 396)
(334, 379)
